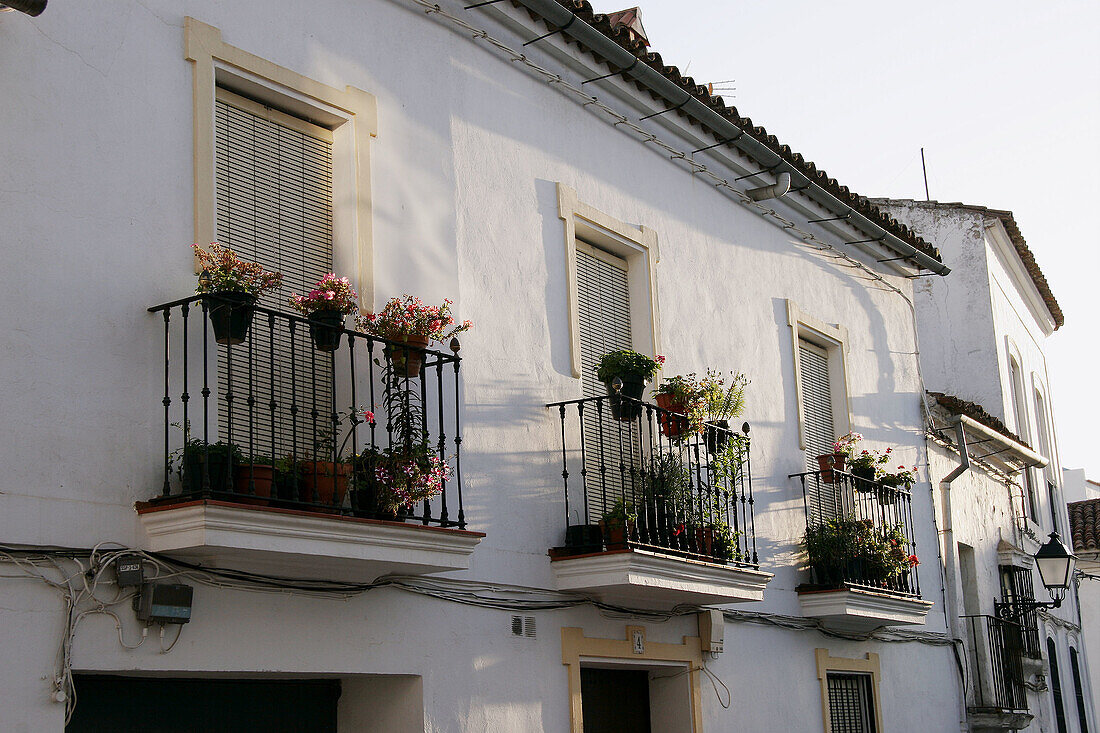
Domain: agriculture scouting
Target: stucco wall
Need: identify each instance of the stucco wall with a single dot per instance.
(95, 169)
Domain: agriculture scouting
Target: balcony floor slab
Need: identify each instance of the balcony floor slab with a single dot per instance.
(303, 544)
(855, 609)
(643, 579)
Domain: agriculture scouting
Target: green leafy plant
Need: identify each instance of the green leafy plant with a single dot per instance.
(722, 400)
(621, 512)
(847, 546)
(669, 479)
(626, 362)
(726, 540)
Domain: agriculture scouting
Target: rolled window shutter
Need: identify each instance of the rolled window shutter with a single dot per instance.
(274, 206)
(817, 402)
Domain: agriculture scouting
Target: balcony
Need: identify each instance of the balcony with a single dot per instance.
(862, 578)
(654, 516)
(293, 447)
(998, 697)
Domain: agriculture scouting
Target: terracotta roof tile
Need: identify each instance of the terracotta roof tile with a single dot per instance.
(1084, 522)
(627, 40)
(977, 413)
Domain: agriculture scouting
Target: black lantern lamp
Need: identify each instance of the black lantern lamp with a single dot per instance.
(1055, 563)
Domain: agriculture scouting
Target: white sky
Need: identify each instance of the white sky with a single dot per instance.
(1004, 97)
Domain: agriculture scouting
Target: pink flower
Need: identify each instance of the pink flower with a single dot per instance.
(368, 416)
(660, 359)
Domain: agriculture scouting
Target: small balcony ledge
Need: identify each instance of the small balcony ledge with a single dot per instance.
(304, 543)
(984, 720)
(858, 609)
(644, 579)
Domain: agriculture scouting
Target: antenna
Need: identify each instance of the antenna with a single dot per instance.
(924, 168)
(722, 87)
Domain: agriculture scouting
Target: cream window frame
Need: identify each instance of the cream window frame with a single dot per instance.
(869, 665)
(834, 340)
(576, 648)
(351, 115)
(636, 245)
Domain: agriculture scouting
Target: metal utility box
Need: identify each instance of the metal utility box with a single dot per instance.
(165, 603)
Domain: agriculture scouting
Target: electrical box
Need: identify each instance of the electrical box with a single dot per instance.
(712, 631)
(128, 571)
(164, 603)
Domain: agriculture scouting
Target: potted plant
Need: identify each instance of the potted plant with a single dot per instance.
(727, 542)
(617, 524)
(234, 286)
(849, 549)
(902, 478)
(829, 462)
(255, 478)
(411, 326)
(679, 395)
(388, 483)
(667, 488)
(331, 300)
(634, 371)
(215, 460)
(721, 403)
(287, 479)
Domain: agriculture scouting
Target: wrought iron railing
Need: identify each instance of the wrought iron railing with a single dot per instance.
(281, 422)
(636, 475)
(1027, 617)
(997, 674)
(871, 521)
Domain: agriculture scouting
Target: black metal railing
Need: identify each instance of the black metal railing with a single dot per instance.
(279, 421)
(997, 674)
(636, 475)
(1027, 617)
(862, 522)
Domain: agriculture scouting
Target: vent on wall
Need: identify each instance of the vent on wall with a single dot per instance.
(523, 627)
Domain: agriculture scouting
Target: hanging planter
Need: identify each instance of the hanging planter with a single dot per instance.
(626, 402)
(331, 299)
(325, 328)
(235, 286)
(830, 462)
(408, 357)
(717, 436)
(672, 425)
(633, 371)
(231, 316)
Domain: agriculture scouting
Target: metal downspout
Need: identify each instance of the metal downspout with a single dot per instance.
(618, 57)
(950, 557)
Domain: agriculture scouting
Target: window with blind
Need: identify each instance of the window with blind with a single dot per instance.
(817, 401)
(851, 703)
(603, 300)
(274, 206)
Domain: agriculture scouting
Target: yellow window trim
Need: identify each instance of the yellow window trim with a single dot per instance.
(329, 108)
(868, 665)
(636, 245)
(575, 646)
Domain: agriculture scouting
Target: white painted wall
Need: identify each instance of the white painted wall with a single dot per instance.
(95, 170)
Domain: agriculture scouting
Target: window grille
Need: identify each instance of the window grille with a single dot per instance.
(851, 703)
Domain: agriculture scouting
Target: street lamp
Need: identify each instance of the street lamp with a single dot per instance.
(1055, 563)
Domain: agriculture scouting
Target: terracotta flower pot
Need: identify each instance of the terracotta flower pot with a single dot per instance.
(671, 425)
(408, 357)
(330, 480)
(830, 462)
(231, 316)
(616, 533)
(262, 477)
(326, 328)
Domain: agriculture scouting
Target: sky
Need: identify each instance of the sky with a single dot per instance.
(1003, 96)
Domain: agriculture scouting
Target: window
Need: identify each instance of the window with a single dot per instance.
(1078, 691)
(820, 378)
(849, 693)
(1056, 686)
(1016, 386)
(274, 206)
(851, 703)
(625, 248)
(1017, 595)
(1042, 427)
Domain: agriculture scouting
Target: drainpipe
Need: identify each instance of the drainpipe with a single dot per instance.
(778, 189)
(618, 57)
(30, 7)
(949, 553)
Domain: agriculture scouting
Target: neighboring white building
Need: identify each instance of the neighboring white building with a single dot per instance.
(571, 194)
(982, 333)
(1076, 487)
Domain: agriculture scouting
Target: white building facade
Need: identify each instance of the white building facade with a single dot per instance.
(474, 154)
(1000, 496)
